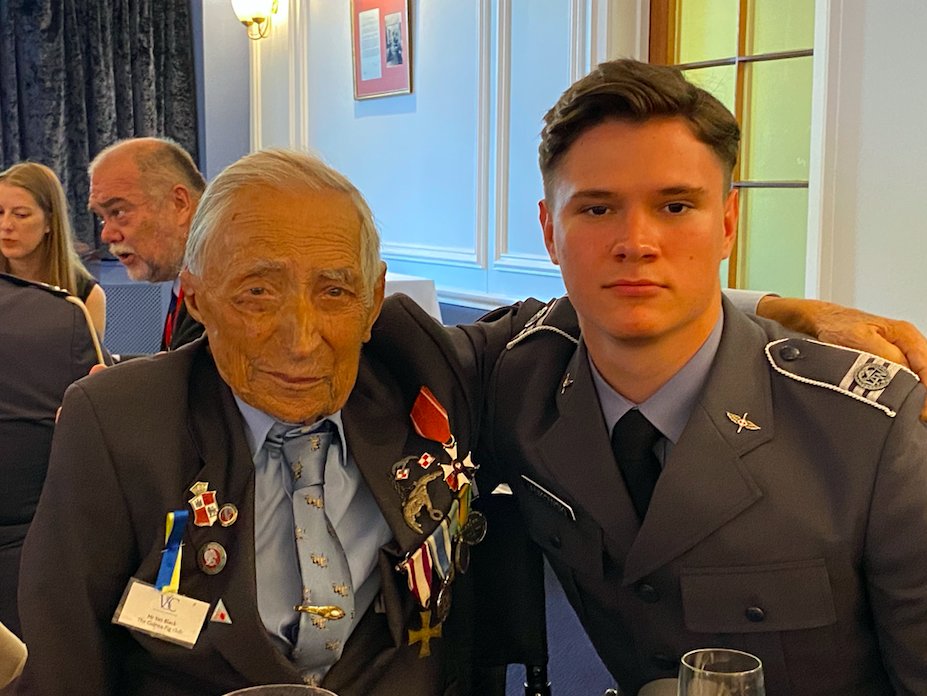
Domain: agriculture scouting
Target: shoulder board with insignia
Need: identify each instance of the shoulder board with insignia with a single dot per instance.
(865, 377)
(22, 282)
(543, 320)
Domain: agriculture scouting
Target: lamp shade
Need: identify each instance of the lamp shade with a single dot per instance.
(249, 11)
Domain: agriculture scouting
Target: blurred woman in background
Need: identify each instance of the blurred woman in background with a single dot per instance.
(35, 236)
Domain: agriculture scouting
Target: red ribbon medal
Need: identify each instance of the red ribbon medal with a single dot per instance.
(430, 418)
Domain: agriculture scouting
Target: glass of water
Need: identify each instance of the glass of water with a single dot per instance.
(720, 672)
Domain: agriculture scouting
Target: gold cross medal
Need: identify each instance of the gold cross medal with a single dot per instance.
(424, 634)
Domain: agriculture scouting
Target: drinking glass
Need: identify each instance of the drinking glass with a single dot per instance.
(720, 672)
(282, 690)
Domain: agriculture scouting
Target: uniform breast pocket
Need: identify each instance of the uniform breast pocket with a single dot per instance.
(751, 599)
(564, 533)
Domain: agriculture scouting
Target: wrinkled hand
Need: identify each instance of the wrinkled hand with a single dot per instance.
(893, 339)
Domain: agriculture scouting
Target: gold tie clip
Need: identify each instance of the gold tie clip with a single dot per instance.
(330, 611)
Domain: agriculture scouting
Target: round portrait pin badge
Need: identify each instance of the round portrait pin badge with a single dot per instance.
(228, 513)
(211, 557)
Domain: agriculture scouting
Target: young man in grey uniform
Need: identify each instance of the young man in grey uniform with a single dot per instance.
(697, 477)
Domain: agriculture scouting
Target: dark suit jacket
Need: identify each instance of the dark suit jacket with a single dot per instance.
(186, 329)
(801, 541)
(44, 346)
(119, 464)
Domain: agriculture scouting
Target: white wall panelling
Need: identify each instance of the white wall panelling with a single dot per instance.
(449, 170)
(223, 87)
(257, 97)
(298, 52)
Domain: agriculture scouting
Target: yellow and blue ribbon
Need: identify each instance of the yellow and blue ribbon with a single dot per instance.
(169, 573)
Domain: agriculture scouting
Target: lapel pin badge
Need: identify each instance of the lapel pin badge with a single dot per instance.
(220, 614)
(228, 513)
(204, 505)
(741, 422)
(211, 558)
(566, 383)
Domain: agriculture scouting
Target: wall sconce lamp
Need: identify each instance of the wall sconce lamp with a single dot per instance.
(255, 15)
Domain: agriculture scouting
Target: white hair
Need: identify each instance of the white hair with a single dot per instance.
(283, 170)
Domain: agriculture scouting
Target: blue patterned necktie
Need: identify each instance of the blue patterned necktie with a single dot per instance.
(326, 610)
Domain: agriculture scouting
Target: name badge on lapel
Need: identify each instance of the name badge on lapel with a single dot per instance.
(169, 616)
(159, 610)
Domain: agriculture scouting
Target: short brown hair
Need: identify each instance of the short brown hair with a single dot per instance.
(628, 90)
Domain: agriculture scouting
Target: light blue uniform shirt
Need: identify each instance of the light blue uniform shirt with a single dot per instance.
(350, 508)
(671, 405)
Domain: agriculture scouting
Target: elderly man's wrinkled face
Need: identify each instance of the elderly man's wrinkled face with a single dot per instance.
(282, 298)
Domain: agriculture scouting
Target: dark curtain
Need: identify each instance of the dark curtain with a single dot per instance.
(78, 75)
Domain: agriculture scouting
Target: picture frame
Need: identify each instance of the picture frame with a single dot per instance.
(382, 48)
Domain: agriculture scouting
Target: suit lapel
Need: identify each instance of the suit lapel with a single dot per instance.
(216, 430)
(576, 453)
(377, 428)
(704, 483)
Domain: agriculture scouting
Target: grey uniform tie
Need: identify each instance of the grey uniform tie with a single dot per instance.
(633, 439)
(327, 606)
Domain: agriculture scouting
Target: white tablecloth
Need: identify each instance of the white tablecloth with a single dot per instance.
(422, 290)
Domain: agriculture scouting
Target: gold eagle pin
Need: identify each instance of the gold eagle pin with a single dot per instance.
(741, 422)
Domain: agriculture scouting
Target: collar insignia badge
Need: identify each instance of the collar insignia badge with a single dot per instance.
(566, 383)
(741, 422)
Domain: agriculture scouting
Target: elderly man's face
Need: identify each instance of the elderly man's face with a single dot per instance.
(282, 298)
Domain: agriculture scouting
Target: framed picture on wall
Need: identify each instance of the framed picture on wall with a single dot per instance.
(382, 47)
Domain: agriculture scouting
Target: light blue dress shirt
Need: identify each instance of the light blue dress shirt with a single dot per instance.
(350, 508)
(671, 405)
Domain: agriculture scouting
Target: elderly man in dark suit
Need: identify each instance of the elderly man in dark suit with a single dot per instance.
(45, 345)
(697, 477)
(287, 520)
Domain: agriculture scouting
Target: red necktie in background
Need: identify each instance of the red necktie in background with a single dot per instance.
(170, 320)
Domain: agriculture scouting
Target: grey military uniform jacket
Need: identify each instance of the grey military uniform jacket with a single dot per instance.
(790, 519)
(120, 462)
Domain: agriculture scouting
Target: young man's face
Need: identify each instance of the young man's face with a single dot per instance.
(639, 219)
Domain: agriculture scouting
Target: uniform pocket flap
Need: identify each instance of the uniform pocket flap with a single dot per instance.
(749, 599)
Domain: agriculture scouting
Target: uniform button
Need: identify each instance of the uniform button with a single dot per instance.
(755, 614)
(647, 593)
(555, 541)
(664, 662)
(789, 353)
